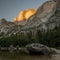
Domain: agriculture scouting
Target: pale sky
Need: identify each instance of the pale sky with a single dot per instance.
(10, 8)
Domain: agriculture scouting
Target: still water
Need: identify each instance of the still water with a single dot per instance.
(18, 56)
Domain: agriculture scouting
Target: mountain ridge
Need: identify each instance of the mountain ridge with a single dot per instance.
(43, 15)
(46, 17)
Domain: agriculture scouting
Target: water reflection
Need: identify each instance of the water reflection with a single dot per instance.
(18, 56)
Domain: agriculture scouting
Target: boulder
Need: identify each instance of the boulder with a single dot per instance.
(55, 51)
(36, 48)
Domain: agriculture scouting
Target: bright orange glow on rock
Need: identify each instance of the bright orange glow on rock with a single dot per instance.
(24, 15)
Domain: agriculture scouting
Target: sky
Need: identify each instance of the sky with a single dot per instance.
(9, 9)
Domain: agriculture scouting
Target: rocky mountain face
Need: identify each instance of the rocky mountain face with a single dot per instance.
(7, 28)
(47, 16)
(22, 23)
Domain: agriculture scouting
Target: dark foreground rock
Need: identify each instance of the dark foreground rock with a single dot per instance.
(36, 48)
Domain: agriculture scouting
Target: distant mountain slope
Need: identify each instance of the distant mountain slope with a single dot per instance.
(7, 27)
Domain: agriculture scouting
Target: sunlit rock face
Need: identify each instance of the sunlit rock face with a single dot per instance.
(24, 15)
(46, 16)
(42, 16)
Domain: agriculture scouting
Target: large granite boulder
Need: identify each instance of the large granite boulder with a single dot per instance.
(36, 48)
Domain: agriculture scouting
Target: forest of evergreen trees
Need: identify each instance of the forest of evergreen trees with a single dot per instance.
(50, 38)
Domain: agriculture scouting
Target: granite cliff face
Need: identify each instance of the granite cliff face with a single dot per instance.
(47, 16)
(7, 28)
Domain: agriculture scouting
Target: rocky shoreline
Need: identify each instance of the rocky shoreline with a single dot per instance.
(34, 47)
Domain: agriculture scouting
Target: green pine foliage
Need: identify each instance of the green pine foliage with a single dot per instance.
(50, 38)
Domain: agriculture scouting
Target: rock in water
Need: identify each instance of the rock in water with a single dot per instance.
(36, 48)
(40, 49)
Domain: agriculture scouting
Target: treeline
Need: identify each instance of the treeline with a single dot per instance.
(50, 38)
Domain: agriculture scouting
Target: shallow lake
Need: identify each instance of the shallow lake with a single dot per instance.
(18, 56)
